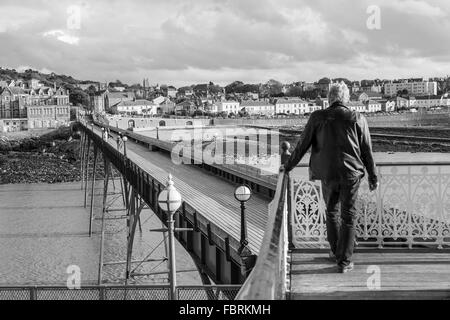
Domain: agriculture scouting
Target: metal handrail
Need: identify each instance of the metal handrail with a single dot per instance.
(268, 279)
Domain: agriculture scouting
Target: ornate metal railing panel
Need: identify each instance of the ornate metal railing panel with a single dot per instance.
(268, 280)
(410, 209)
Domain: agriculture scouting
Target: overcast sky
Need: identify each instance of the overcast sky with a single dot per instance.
(190, 41)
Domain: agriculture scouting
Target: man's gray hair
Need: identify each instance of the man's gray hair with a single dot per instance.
(339, 92)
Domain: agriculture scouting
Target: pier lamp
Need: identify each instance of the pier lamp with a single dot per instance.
(119, 138)
(125, 139)
(169, 200)
(243, 194)
(104, 134)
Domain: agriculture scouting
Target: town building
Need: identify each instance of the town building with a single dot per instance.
(283, 106)
(164, 105)
(229, 107)
(428, 102)
(185, 108)
(373, 88)
(258, 108)
(34, 84)
(102, 101)
(366, 96)
(97, 101)
(387, 105)
(172, 92)
(13, 102)
(402, 103)
(415, 88)
(114, 98)
(356, 106)
(48, 109)
(373, 106)
(13, 125)
(136, 107)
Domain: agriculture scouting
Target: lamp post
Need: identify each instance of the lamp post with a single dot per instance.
(248, 260)
(243, 194)
(125, 139)
(104, 134)
(119, 138)
(169, 201)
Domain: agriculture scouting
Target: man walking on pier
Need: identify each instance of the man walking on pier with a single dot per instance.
(341, 149)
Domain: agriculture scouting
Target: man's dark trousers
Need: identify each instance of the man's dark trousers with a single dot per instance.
(341, 236)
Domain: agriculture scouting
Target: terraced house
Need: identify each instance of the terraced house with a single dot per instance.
(258, 108)
(299, 107)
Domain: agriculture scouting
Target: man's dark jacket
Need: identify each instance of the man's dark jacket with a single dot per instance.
(341, 145)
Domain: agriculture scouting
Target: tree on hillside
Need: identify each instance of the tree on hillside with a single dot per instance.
(295, 91)
(79, 97)
(232, 87)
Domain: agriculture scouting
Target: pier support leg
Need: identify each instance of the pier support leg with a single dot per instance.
(102, 232)
(132, 224)
(81, 157)
(91, 214)
(86, 171)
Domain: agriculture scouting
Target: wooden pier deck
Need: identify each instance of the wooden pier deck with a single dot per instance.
(413, 274)
(212, 197)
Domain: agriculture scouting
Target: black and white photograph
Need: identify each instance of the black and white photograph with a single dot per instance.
(224, 151)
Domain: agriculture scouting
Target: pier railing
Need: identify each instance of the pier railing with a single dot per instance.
(268, 280)
(137, 292)
(411, 209)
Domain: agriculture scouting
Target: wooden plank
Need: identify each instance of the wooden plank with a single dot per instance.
(402, 274)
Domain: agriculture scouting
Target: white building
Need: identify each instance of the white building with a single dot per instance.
(172, 92)
(356, 106)
(228, 107)
(414, 88)
(373, 106)
(370, 106)
(259, 108)
(139, 107)
(313, 107)
(291, 107)
(387, 105)
(429, 102)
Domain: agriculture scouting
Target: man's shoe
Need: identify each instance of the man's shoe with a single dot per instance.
(332, 256)
(347, 268)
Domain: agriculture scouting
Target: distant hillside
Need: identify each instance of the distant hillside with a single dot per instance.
(46, 79)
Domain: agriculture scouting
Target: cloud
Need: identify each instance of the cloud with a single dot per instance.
(186, 41)
(63, 36)
(14, 16)
(415, 7)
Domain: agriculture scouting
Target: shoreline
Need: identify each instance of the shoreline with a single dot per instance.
(51, 157)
